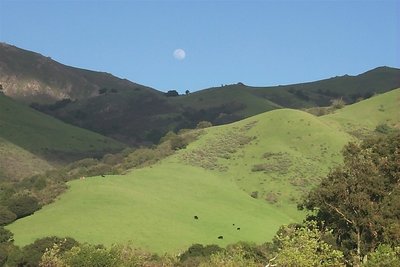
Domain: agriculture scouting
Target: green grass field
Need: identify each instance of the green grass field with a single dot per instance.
(364, 116)
(278, 154)
(155, 208)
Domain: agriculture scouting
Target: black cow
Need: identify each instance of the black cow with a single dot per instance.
(221, 237)
(196, 217)
(238, 228)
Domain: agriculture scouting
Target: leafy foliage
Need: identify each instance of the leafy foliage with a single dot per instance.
(203, 124)
(233, 256)
(360, 200)
(197, 253)
(6, 216)
(338, 103)
(5, 235)
(384, 256)
(304, 246)
(31, 254)
(383, 128)
(23, 205)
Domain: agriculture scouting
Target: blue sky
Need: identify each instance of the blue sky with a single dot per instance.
(259, 43)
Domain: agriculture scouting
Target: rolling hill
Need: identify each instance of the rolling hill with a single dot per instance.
(362, 118)
(138, 115)
(32, 142)
(150, 117)
(249, 173)
(30, 77)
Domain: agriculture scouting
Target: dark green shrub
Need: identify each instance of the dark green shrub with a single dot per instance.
(178, 142)
(31, 254)
(113, 159)
(203, 124)
(384, 256)
(5, 235)
(171, 93)
(254, 194)
(90, 255)
(6, 216)
(198, 250)
(383, 128)
(23, 205)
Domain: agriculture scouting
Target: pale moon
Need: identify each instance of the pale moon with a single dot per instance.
(179, 54)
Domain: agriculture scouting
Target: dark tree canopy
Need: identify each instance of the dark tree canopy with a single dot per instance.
(23, 205)
(171, 93)
(360, 200)
(6, 216)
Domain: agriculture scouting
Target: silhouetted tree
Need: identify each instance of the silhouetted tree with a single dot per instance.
(171, 93)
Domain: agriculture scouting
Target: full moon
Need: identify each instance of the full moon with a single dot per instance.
(179, 54)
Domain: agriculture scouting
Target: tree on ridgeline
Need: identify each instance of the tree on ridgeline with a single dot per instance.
(171, 93)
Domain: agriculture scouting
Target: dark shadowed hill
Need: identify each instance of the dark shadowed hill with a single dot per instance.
(32, 142)
(136, 114)
(32, 77)
(319, 93)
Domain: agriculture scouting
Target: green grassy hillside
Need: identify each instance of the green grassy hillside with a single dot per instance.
(249, 173)
(28, 138)
(363, 117)
(278, 154)
(212, 178)
(17, 163)
(155, 208)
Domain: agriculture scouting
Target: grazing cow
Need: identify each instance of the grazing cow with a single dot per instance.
(221, 237)
(238, 228)
(196, 217)
(103, 175)
(233, 224)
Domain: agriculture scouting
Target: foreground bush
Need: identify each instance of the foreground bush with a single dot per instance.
(305, 246)
(384, 256)
(99, 256)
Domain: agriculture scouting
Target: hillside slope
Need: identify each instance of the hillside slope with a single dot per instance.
(31, 141)
(17, 163)
(250, 173)
(139, 118)
(139, 115)
(31, 77)
(213, 178)
(361, 118)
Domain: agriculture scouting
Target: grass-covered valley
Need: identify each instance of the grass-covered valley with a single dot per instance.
(99, 171)
(241, 181)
